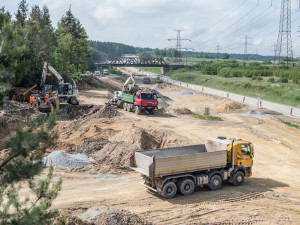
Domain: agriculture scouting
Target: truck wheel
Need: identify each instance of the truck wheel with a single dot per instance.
(119, 104)
(129, 109)
(125, 106)
(238, 178)
(137, 110)
(169, 190)
(73, 101)
(186, 186)
(215, 182)
(151, 111)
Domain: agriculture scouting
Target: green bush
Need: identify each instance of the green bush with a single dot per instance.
(271, 79)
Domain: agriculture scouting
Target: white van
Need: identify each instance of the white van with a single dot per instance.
(105, 72)
(97, 73)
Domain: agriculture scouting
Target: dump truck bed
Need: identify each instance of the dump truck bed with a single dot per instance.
(127, 98)
(177, 160)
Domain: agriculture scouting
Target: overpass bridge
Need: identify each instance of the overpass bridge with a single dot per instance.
(137, 62)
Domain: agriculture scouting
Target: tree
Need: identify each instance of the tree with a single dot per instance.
(22, 158)
(21, 14)
(72, 53)
(145, 55)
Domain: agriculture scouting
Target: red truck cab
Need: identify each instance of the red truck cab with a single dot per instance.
(145, 101)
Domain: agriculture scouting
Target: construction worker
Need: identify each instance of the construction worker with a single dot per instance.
(35, 101)
(31, 100)
(46, 97)
(39, 100)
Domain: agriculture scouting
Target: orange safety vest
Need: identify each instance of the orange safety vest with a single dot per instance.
(31, 99)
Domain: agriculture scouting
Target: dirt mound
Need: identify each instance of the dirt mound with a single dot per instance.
(106, 111)
(71, 112)
(182, 111)
(104, 215)
(185, 92)
(17, 109)
(91, 145)
(122, 145)
(227, 105)
(15, 115)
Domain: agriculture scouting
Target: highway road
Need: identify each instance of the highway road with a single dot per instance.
(260, 103)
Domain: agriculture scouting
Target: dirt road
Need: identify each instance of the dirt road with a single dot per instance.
(271, 196)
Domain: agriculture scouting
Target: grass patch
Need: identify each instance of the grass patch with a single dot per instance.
(286, 93)
(207, 117)
(290, 124)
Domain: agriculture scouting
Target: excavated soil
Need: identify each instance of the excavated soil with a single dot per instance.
(182, 111)
(15, 115)
(71, 112)
(226, 105)
(103, 215)
(122, 145)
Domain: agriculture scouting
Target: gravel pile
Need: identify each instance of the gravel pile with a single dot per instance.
(258, 114)
(104, 215)
(62, 159)
(185, 92)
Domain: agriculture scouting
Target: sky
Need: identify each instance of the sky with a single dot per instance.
(150, 23)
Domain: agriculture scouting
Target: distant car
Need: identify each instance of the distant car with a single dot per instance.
(105, 72)
(97, 73)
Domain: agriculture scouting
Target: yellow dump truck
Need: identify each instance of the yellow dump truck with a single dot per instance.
(171, 170)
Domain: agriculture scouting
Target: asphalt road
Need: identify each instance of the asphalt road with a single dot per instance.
(260, 103)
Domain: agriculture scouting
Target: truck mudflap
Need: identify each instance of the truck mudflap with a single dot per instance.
(150, 188)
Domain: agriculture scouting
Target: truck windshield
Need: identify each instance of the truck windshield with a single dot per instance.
(148, 96)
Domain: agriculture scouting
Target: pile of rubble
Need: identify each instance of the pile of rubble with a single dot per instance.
(60, 159)
(104, 215)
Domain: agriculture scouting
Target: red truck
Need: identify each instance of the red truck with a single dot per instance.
(140, 102)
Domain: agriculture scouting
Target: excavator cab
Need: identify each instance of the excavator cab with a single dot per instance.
(65, 89)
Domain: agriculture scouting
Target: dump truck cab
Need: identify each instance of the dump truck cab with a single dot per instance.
(243, 155)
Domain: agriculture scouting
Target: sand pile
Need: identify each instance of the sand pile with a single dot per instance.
(182, 111)
(186, 92)
(103, 215)
(62, 159)
(122, 145)
(226, 106)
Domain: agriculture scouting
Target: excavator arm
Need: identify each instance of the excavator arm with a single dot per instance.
(47, 67)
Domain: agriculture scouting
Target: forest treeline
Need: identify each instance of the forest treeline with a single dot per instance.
(28, 39)
(102, 51)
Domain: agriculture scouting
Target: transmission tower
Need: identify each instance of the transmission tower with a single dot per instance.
(218, 50)
(284, 41)
(246, 43)
(178, 43)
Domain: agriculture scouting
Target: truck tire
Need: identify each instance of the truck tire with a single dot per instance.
(137, 110)
(129, 109)
(186, 186)
(169, 190)
(215, 182)
(73, 101)
(238, 178)
(151, 111)
(125, 106)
